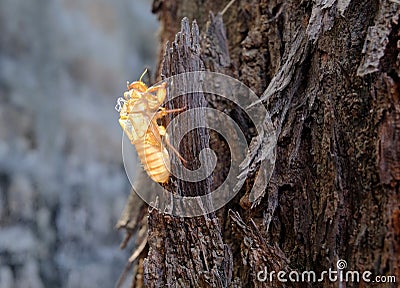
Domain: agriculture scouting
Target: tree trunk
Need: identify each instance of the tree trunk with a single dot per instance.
(328, 73)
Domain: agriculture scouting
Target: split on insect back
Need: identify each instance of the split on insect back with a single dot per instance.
(139, 109)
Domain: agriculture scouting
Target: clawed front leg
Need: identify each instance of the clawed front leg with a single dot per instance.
(162, 131)
(161, 92)
(165, 135)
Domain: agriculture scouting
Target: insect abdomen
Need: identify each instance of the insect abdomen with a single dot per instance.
(154, 160)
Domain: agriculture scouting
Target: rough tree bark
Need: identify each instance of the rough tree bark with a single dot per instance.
(328, 72)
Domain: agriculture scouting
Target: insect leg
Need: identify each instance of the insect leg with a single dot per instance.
(161, 131)
(164, 112)
(161, 92)
(166, 137)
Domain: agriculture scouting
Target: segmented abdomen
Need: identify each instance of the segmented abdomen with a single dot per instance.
(155, 160)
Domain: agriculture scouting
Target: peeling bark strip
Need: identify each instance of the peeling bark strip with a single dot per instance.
(180, 57)
(378, 36)
(323, 16)
(187, 252)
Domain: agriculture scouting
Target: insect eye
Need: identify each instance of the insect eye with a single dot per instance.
(128, 94)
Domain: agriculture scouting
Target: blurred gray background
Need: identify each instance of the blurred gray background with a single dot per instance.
(63, 63)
